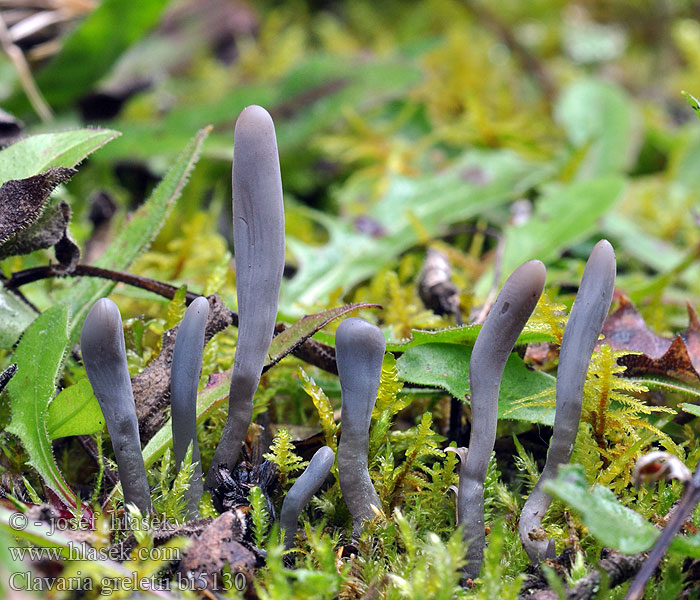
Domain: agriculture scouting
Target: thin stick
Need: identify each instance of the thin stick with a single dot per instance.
(685, 507)
(166, 290)
(37, 101)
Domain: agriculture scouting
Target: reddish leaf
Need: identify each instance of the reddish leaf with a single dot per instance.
(678, 357)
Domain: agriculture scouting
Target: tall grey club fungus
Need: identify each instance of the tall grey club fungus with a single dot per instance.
(359, 350)
(258, 241)
(300, 493)
(104, 357)
(184, 376)
(495, 342)
(580, 336)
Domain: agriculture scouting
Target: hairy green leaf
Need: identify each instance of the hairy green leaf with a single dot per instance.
(15, 317)
(39, 357)
(459, 335)
(36, 153)
(447, 366)
(75, 411)
(286, 341)
(135, 237)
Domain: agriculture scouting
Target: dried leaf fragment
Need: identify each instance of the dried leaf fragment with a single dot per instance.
(678, 357)
(30, 222)
(218, 544)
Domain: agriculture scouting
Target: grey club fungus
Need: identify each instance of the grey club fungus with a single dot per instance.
(258, 241)
(493, 346)
(359, 350)
(300, 493)
(184, 376)
(580, 336)
(104, 357)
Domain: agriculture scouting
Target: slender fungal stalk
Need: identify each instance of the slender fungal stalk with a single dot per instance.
(359, 350)
(580, 336)
(258, 239)
(493, 346)
(104, 357)
(184, 376)
(300, 493)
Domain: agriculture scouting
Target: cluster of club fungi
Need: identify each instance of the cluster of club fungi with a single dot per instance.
(258, 221)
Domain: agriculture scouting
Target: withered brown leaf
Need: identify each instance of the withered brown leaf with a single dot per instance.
(218, 544)
(29, 221)
(677, 357)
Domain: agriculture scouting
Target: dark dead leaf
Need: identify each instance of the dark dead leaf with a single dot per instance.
(677, 357)
(29, 222)
(217, 545)
(6, 375)
(10, 128)
(24, 200)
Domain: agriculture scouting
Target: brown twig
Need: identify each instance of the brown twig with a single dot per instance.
(691, 496)
(25, 74)
(166, 290)
(616, 567)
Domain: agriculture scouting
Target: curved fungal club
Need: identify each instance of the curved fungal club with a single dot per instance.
(359, 350)
(184, 377)
(104, 357)
(258, 240)
(580, 336)
(493, 346)
(300, 493)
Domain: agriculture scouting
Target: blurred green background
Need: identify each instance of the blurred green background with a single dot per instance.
(400, 124)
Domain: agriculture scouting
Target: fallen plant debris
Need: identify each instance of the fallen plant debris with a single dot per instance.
(677, 357)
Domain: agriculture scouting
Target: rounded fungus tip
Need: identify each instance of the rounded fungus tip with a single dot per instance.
(360, 338)
(104, 315)
(304, 487)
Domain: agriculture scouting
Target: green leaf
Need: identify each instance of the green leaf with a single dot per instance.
(693, 409)
(39, 357)
(562, 218)
(135, 237)
(286, 341)
(611, 523)
(447, 366)
(75, 411)
(458, 335)
(598, 116)
(15, 317)
(89, 52)
(411, 208)
(35, 154)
